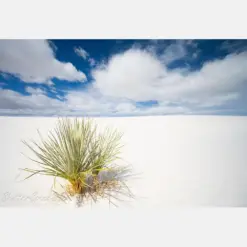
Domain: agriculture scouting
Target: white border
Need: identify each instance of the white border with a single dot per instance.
(173, 227)
(122, 19)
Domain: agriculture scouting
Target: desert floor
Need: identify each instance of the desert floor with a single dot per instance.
(183, 160)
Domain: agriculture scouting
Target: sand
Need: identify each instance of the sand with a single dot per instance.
(183, 161)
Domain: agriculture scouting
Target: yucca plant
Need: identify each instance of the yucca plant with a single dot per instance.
(75, 150)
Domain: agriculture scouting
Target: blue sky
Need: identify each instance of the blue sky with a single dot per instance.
(123, 77)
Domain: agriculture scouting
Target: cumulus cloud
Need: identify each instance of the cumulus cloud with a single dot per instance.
(11, 100)
(74, 104)
(130, 75)
(34, 61)
(139, 75)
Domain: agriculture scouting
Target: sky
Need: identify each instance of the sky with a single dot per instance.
(123, 77)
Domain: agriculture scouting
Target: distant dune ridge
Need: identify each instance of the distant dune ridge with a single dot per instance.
(183, 160)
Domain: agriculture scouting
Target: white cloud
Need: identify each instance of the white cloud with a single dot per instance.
(129, 75)
(126, 108)
(11, 100)
(75, 103)
(50, 83)
(85, 55)
(34, 61)
(177, 50)
(174, 52)
(220, 100)
(53, 89)
(36, 91)
(140, 76)
(52, 45)
(164, 109)
(81, 52)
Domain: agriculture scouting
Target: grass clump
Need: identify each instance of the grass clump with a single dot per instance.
(78, 153)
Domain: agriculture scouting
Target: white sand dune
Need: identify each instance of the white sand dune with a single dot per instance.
(184, 160)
